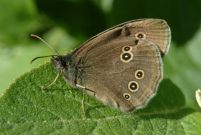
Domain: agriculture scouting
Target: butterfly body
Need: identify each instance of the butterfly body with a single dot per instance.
(121, 66)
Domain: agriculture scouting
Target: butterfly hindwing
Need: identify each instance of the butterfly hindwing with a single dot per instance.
(109, 75)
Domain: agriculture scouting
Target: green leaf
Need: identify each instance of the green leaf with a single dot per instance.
(27, 109)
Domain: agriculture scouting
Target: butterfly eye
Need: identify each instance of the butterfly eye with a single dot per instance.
(127, 96)
(133, 86)
(126, 49)
(126, 57)
(139, 74)
(140, 35)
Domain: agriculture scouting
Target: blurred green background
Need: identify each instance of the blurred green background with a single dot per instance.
(65, 24)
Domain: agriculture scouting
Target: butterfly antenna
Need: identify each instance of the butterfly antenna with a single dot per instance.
(48, 45)
(41, 57)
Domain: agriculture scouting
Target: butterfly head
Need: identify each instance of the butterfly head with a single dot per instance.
(60, 62)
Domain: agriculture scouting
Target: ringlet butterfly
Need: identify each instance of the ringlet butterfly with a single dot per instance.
(122, 66)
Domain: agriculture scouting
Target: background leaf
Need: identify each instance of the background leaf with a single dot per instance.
(17, 19)
(183, 65)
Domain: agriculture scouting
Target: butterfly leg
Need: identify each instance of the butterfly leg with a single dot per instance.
(82, 102)
(90, 92)
(82, 105)
(55, 79)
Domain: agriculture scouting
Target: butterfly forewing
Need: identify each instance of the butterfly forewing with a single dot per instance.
(154, 30)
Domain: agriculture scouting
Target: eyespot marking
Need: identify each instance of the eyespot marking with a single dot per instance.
(133, 86)
(140, 35)
(126, 49)
(127, 96)
(139, 74)
(126, 57)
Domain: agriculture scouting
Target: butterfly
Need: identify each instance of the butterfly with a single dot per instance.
(121, 66)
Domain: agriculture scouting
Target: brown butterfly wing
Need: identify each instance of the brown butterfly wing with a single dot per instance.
(108, 76)
(102, 71)
(154, 30)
